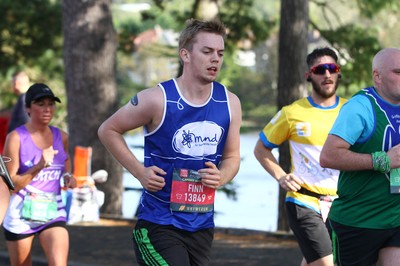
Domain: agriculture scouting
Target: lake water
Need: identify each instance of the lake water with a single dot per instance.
(256, 207)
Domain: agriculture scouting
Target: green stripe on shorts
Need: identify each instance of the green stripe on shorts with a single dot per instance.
(335, 245)
(147, 250)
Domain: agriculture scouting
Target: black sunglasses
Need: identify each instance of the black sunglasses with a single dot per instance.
(320, 69)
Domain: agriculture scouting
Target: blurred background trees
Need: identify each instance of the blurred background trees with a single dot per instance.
(98, 54)
(32, 38)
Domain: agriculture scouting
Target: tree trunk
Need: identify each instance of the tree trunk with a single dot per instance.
(292, 66)
(90, 70)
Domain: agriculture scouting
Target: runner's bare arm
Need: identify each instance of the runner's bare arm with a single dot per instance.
(288, 181)
(146, 111)
(11, 150)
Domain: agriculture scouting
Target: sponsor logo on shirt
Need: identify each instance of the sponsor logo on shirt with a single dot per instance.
(198, 138)
(303, 129)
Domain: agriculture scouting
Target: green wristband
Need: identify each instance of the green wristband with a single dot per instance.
(381, 162)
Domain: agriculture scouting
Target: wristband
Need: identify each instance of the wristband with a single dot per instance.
(381, 162)
(68, 174)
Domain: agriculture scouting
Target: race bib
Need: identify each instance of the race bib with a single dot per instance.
(40, 207)
(188, 193)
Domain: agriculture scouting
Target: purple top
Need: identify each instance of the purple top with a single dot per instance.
(48, 179)
(46, 182)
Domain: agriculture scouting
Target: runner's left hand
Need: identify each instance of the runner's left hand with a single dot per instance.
(211, 176)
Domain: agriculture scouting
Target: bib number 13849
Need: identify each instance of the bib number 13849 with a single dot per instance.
(188, 193)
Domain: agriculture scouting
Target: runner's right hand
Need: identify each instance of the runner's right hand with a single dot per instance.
(290, 182)
(152, 179)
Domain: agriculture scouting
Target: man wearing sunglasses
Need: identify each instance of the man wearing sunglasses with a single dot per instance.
(364, 145)
(310, 188)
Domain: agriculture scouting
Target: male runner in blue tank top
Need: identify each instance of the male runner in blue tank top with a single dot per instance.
(364, 145)
(192, 147)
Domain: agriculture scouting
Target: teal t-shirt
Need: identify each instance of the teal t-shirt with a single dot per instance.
(369, 124)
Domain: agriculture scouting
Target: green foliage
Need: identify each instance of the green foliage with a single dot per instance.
(128, 30)
(369, 8)
(243, 20)
(168, 14)
(126, 87)
(28, 29)
(254, 89)
(356, 30)
(243, 24)
(251, 87)
(128, 26)
(356, 46)
(31, 41)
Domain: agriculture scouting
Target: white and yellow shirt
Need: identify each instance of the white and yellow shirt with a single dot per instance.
(306, 126)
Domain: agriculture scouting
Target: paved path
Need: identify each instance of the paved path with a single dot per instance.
(109, 243)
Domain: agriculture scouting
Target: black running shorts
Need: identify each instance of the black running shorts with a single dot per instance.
(360, 246)
(156, 244)
(310, 231)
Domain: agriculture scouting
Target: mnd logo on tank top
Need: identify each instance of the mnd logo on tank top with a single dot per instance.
(198, 138)
(391, 137)
(385, 110)
(392, 130)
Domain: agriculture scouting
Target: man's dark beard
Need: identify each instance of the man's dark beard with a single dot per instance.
(324, 94)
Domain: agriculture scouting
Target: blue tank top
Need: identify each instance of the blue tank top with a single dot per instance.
(187, 137)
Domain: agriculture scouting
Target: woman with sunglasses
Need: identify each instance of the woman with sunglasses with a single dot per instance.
(39, 162)
(310, 188)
